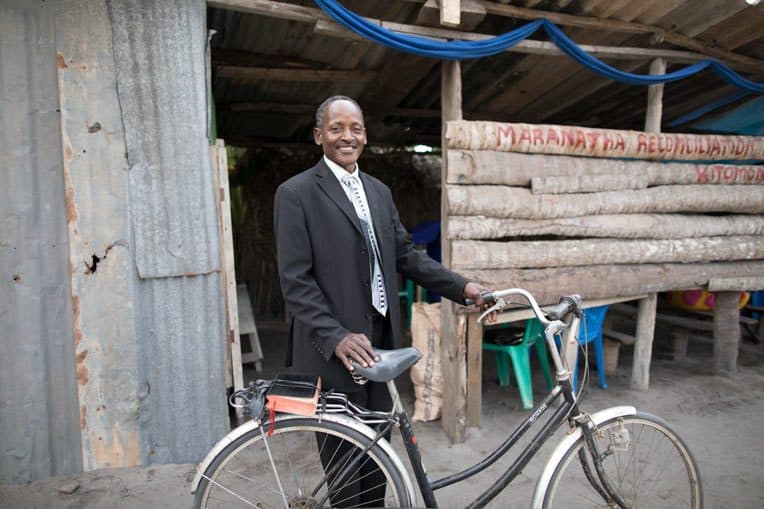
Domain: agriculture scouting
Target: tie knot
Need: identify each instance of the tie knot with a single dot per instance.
(349, 180)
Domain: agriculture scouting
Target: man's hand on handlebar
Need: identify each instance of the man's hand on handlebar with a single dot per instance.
(474, 292)
(355, 347)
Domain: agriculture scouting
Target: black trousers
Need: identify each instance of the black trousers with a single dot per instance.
(366, 487)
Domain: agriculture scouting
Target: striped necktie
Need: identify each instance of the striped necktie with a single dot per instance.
(378, 296)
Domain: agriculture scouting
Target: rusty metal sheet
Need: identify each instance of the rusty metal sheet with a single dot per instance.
(100, 258)
(39, 418)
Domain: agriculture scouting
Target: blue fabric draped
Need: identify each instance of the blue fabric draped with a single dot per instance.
(463, 50)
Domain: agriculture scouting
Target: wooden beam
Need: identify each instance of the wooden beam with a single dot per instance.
(726, 332)
(643, 344)
(587, 183)
(735, 60)
(602, 281)
(624, 226)
(239, 58)
(520, 203)
(296, 75)
(594, 142)
(454, 330)
(472, 13)
(477, 254)
(493, 167)
(732, 284)
(655, 98)
(474, 370)
(450, 12)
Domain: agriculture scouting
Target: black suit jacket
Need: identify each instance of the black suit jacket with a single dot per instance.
(324, 268)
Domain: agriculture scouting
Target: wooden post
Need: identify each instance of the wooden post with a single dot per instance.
(453, 343)
(726, 332)
(229, 274)
(643, 346)
(450, 15)
(655, 98)
(474, 370)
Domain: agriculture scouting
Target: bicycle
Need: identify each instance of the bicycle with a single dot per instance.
(617, 457)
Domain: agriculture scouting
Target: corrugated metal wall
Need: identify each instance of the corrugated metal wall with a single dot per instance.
(39, 416)
(114, 354)
(159, 50)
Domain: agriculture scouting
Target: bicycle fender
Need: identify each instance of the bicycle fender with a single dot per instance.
(338, 418)
(566, 443)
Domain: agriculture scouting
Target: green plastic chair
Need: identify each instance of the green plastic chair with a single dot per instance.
(519, 354)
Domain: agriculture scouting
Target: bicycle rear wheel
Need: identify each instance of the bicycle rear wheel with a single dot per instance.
(644, 460)
(243, 475)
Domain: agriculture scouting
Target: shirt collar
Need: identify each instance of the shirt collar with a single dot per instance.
(339, 171)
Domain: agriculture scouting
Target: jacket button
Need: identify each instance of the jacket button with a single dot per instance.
(363, 250)
(368, 316)
(366, 283)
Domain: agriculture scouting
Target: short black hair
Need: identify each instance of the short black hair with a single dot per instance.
(324, 105)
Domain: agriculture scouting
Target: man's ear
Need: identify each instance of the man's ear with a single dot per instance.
(317, 135)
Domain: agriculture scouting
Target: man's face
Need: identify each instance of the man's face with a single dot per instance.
(342, 134)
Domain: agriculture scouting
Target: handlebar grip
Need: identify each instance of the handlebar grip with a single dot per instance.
(488, 298)
(567, 304)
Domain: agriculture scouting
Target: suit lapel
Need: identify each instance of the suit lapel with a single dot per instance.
(329, 184)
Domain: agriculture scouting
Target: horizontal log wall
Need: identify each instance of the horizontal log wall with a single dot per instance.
(516, 202)
(625, 226)
(604, 281)
(587, 183)
(513, 169)
(584, 141)
(537, 207)
(475, 254)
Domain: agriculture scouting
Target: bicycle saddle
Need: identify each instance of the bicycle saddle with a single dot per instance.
(391, 363)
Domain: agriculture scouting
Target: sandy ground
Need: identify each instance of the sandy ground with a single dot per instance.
(721, 419)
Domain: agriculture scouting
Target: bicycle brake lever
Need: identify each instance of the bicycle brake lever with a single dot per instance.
(500, 304)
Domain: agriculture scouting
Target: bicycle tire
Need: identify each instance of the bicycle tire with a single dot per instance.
(241, 475)
(654, 470)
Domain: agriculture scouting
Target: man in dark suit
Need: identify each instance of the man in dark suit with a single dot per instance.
(339, 245)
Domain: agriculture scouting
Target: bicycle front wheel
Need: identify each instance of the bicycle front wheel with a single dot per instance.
(644, 460)
(287, 466)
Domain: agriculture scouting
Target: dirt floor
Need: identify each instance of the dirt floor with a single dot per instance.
(721, 419)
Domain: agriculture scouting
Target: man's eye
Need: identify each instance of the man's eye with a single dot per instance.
(335, 130)
(358, 131)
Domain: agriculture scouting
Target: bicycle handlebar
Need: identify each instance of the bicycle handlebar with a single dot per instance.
(568, 304)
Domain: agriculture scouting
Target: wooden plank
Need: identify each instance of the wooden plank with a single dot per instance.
(520, 203)
(474, 370)
(517, 169)
(643, 345)
(625, 339)
(527, 46)
(229, 272)
(642, 226)
(472, 13)
(296, 75)
(450, 12)
(736, 284)
(524, 313)
(591, 142)
(453, 327)
(726, 333)
(655, 98)
(214, 161)
(477, 254)
(602, 281)
(587, 184)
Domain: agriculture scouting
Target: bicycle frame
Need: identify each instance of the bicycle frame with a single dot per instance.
(567, 410)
